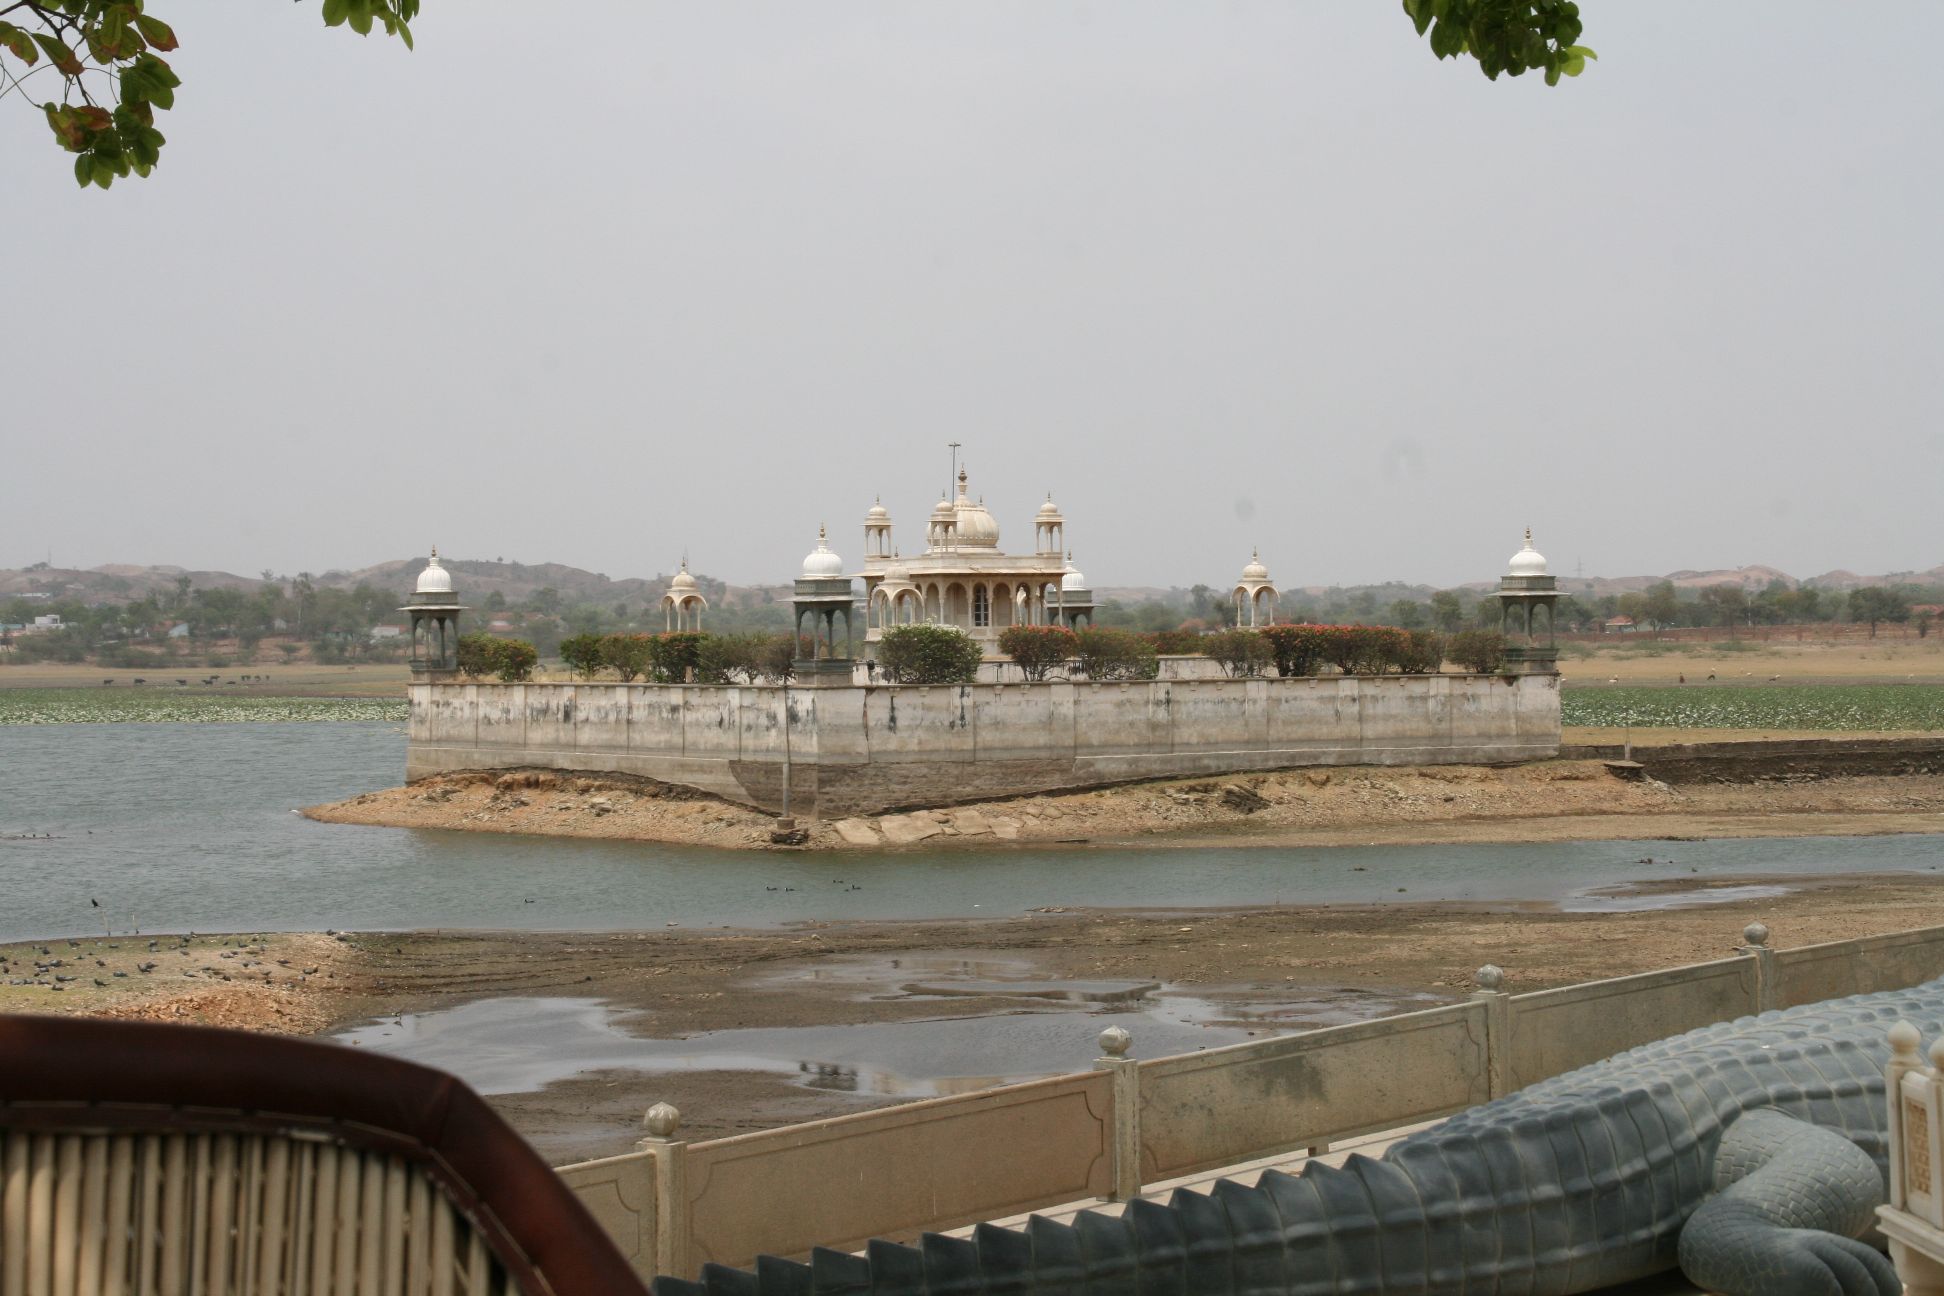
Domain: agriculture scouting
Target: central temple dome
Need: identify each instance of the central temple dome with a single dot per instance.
(975, 528)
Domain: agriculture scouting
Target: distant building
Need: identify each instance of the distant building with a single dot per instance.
(1617, 624)
(386, 632)
(53, 622)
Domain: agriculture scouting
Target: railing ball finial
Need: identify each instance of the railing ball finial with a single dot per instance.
(1937, 1054)
(1756, 934)
(1904, 1040)
(662, 1120)
(1115, 1041)
(1489, 977)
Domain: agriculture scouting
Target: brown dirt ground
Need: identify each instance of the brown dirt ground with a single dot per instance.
(695, 981)
(1543, 801)
(1894, 657)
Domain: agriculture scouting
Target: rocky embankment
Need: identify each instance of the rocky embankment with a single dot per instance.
(1541, 801)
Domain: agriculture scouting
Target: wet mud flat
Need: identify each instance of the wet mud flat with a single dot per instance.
(745, 1030)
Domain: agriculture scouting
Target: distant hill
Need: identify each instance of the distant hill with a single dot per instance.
(477, 579)
(516, 582)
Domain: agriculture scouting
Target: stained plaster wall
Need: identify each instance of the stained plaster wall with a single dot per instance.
(860, 750)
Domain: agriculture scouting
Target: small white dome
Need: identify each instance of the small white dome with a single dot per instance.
(434, 579)
(1049, 509)
(820, 563)
(682, 581)
(877, 513)
(1074, 579)
(897, 574)
(1255, 571)
(1528, 561)
(942, 509)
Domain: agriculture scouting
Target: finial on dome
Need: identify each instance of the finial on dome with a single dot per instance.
(1528, 537)
(822, 535)
(435, 553)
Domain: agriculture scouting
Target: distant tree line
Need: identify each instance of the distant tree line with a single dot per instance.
(1661, 606)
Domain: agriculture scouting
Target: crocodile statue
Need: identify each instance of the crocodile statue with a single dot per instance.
(1750, 1155)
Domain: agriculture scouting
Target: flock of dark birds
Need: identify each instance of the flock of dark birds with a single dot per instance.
(244, 955)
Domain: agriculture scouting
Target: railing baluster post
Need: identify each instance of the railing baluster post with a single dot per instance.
(670, 1157)
(1498, 1028)
(1114, 1043)
(1768, 993)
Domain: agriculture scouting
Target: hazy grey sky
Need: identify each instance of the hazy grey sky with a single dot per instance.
(598, 283)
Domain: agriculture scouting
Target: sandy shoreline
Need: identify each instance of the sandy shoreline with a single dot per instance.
(1564, 800)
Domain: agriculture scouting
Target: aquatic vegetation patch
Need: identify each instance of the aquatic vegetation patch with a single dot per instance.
(1837, 707)
(164, 706)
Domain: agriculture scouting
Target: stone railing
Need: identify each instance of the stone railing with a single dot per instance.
(948, 1162)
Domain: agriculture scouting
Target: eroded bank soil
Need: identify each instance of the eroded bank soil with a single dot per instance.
(1543, 801)
(687, 982)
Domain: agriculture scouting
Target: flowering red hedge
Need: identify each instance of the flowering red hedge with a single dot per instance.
(1038, 649)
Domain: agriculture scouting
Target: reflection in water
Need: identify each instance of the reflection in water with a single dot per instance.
(1044, 1027)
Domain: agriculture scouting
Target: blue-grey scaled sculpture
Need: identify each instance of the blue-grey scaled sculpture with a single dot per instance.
(1750, 1155)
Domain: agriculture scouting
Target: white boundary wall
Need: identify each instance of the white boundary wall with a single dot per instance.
(947, 1162)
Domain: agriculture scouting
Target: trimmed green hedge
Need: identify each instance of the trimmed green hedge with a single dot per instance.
(928, 654)
(1107, 654)
(509, 660)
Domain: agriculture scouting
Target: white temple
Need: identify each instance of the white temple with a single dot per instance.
(963, 579)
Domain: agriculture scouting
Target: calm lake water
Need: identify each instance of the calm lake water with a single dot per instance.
(191, 827)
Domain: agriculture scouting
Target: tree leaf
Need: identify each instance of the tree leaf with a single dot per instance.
(58, 54)
(157, 33)
(19, 43)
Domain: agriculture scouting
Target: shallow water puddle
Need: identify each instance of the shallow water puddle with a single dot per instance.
(1628, 899)
(515, 1045)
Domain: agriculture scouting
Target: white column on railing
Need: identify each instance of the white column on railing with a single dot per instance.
(1913, 1221)
(1768, 994)
(1114, 1044)
(1904, 1058)
(669, 1154)
(1498, 1027)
